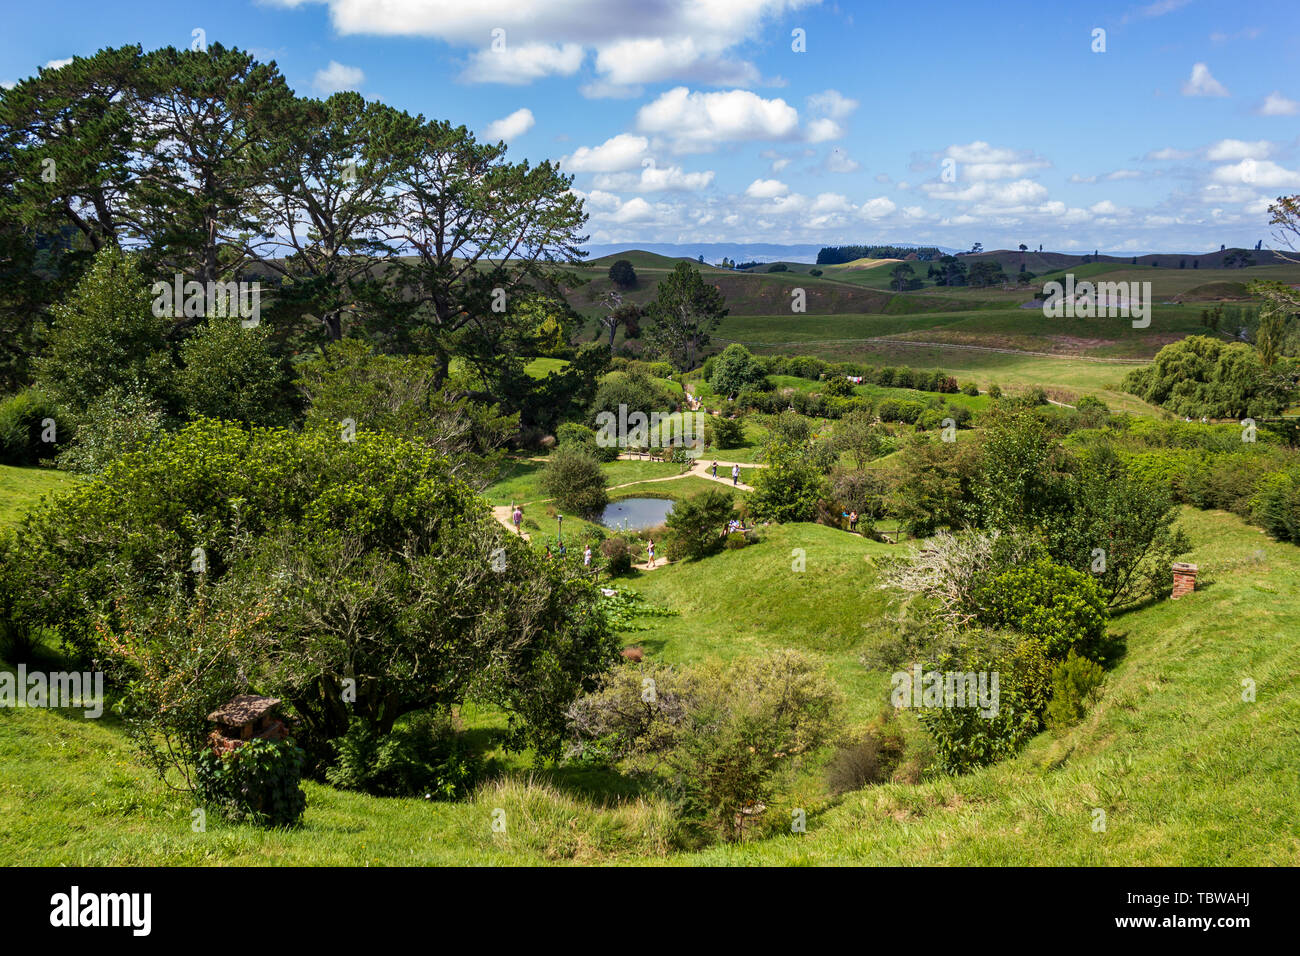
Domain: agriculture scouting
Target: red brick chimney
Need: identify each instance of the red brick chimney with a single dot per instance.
(1184, 579)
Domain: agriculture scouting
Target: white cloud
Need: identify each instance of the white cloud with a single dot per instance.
(655, 179)
(634, 210)
(766, 189)
(995, 194)
(1076, 178)
(1203, 83)
(1123, 174)
(624, 151)
(1275, 104)
(1230, 149)
(1261, 174)
(603, 90)
(1167, 154)
(655, 41)
(822, 129)
(510, 127)
(780, 164)
(979, 162)
(58, 64)
(699, 122)
(877, 208)
(336, 78)
(517, 65)
(831, 103)
(838, 161)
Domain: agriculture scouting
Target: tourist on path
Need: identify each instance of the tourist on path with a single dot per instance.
(735, 474)
(651, 548)
(853, 521)
(517, 517)
(715, 469)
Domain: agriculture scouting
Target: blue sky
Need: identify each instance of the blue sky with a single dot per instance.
(698, 121)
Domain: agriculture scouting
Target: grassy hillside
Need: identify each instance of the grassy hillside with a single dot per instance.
(20, 488)
(1186, 771)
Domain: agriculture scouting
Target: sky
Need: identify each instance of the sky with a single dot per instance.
(1166, 126)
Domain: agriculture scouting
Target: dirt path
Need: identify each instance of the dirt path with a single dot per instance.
(502, 513)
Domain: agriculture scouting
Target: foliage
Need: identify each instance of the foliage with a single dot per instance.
(964, 738)
(258, 782)
(789, 488)
(1201, 376)
(618, 554)
(622, 274)
(933, 485)
(724, 432)
(1056, 605)
(1075, 684)
(105, 338)
(573, 477)
(230, 372)
(115, 424)
(735, 369)
(1276, 505)
(685, 311)
(23, 428)
(423, 756)
(697, 524)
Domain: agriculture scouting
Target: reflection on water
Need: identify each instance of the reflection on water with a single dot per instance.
(634, 514)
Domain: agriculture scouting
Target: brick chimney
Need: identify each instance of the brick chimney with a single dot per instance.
(1184, 579)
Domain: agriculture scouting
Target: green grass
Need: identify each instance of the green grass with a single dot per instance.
(21, 488)
(1187, 772)
(521, 478)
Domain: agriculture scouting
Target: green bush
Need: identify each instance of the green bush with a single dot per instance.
(839, 387)
(1057, 605)
(726, 432)
(736, 540)
(572, 477)
(618, 553)
(27, 419)
(964, 738)
(734, 370)
(1276, 506)
(423, 757)
(696, 524)
(1075, 683)
(259, 782)
(115, 425)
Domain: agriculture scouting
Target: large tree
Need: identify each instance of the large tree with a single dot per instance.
(685, 310)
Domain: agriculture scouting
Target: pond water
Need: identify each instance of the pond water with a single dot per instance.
(634, 514)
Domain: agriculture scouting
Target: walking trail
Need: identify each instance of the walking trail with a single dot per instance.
(702, 468)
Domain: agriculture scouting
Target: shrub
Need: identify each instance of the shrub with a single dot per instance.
(1276, 506)
(964, 738)
(696, 525)
(814, 272)
(229, 372)
(1057, 605)
(734, 370)
(970, 388)
(574, 434)
(778, 267)
(24, 430)
(871, 759)
(618, 553)
(1075, 683)
(736, 540)
(726, 432)
(258, 782)
(789, 488)
(994, 390)
(572, 477)
(422, 757)
(839, 387)
(115, 425)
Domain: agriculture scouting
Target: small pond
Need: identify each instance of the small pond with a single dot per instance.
(634, 514)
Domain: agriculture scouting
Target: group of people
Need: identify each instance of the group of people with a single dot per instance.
(735, 473)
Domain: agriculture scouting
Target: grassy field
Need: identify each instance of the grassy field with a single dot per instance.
(1186, 772)
(20, 488)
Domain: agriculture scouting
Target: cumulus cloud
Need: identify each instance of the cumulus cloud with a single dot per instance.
(624, 151)
(1275, 104)
(877, 208)
(1230, 149)
(1203, 83)
(831, 103)
(978, 161)
(336, 78)
(655, 179)
(993, 194)
(517, 65)
(510, 127)
(1167, 153)
(766, 189)
(1261, 174)
(700, 122)
(660, 40)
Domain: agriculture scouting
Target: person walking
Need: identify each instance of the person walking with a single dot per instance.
(715, 469)
(586, 557)
(853, 521)
(518, 517)
(651, 548)
(735, 475)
